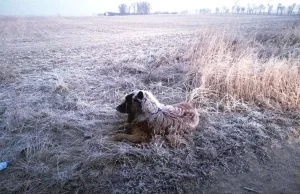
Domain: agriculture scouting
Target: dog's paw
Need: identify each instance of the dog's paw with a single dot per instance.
(116, 137)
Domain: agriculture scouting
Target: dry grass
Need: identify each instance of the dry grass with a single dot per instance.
(68, 75)
(6, 75)
(229, 69)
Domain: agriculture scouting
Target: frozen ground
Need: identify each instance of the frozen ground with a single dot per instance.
(61, 79)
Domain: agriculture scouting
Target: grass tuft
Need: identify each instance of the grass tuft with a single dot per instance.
(226, 69)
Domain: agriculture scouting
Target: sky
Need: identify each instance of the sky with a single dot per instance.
(90, 7)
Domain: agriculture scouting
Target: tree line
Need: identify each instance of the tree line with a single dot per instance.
(137, 8)
(143, 8)
(260, 9)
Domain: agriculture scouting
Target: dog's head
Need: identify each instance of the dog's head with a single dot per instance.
(131, 102)
(139, 101)
(125, 106)
(131, 105)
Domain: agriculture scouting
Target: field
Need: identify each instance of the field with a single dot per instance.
(62, 77)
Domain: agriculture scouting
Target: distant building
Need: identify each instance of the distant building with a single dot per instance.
(110, 14)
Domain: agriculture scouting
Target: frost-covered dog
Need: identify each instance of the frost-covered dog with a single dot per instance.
(147, 117)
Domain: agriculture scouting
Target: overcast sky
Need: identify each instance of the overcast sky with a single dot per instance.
(89, 7)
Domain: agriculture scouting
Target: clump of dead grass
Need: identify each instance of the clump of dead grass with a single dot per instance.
(6, 75)
(227, 68)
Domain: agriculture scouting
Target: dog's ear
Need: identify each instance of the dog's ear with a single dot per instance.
(140, 95)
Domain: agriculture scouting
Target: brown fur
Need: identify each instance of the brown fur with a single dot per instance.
(148, 117)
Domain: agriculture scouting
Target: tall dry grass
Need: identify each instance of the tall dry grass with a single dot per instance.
(226, 68)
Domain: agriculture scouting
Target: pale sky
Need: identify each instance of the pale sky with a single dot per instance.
(89, 7)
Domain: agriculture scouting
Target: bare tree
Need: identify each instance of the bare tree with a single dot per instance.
(280, 8)
(147, 7)
(128, 9)
(249, 9)
(298, 9)
(204, 10)
(217, 10)
(225, 9)
(143, 7)
(238, 9)
(255, 9)
(234, 6)
(243, 10)
(270, 8)
(290, 9)
(122, 9)
(133, 6)
(261, 8)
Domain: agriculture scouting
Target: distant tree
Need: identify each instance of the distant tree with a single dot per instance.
(290, 9)
(128, 9)
(139, 8)
(249, 9)
(261, 8)
(238, 9)
(147, 7)
(122, 9)
(204, 10)
(255, 9)
(232, 9)
(298, 9)
(243, 10)
(217, 10)
(225, 9)
(143, 7)
(133, 6)
(270, 7)
(280, 8)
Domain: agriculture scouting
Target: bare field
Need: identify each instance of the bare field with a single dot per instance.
(61, 79)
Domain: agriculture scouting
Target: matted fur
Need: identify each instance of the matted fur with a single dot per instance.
(148, 117)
